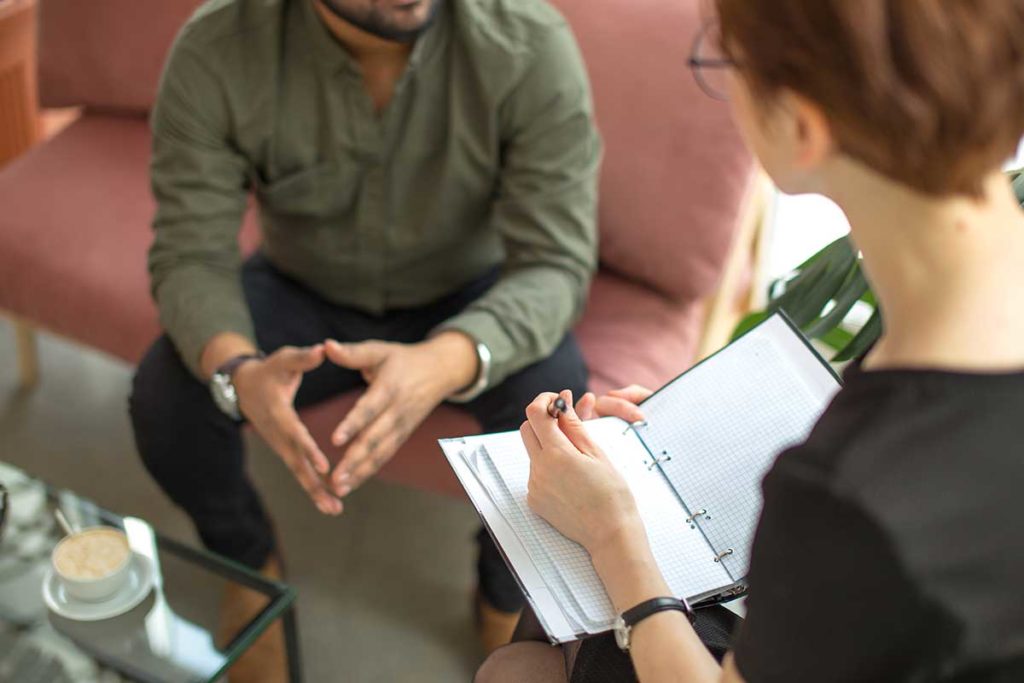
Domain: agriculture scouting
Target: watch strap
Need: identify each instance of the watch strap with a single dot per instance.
(229, 366)
(632, 617)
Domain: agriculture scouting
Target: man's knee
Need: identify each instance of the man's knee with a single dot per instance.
(165, 398)
(563, 369)
(504, 406)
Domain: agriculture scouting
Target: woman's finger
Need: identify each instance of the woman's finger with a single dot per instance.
(633, 393)
(613, 406)
(533, 447)
(585, 406)
(544, 426)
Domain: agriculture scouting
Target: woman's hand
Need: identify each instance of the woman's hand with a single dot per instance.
(621, 403)
(573, 485)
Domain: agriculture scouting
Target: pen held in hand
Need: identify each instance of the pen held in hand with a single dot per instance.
(557, 408)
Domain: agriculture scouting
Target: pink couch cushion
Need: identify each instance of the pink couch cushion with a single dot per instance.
(630, 334)
(675, 169)
(106, 54)
(419, 463)
(74, 231)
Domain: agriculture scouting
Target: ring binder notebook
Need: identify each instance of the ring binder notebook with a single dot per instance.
(694, 465)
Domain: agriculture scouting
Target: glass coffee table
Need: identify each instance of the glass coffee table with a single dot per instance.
(171, 636)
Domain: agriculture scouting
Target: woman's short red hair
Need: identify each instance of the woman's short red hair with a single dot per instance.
(927, 92)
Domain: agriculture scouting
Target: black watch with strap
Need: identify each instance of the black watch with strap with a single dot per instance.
(627, 620)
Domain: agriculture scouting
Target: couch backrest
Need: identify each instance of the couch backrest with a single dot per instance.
(675, 169)
(106, 54)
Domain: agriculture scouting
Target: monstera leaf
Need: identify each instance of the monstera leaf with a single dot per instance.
(820, 292)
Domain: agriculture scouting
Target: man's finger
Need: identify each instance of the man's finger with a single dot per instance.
(288, 422)
(371, 404)
(290, 451)
(356, 356)
(300, 359)
(374, 444)
(373, 461)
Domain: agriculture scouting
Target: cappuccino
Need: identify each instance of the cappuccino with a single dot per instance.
(91, 554)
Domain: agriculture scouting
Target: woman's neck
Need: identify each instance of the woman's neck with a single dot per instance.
(948, 273)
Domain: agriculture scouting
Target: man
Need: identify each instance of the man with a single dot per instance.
(426, 174)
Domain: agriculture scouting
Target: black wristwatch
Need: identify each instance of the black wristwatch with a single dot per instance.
(631, 617)
(222, 386)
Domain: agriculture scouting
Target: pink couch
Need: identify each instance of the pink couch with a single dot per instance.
(76, 209)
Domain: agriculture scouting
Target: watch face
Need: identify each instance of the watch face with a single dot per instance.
(621, 634)
(223, 392)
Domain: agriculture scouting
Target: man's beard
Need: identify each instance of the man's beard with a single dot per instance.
(375, 23)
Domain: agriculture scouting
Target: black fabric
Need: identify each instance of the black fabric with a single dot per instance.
(890, 547)
(599, 659)
(196, 454)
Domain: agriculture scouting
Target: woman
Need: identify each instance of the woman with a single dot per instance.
(890, 546)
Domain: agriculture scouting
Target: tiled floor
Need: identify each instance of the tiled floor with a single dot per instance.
(384, 590)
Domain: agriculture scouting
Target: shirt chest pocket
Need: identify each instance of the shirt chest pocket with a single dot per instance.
(321, 192)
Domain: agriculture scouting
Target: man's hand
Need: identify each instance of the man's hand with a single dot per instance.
(406, 382)
(266, 394)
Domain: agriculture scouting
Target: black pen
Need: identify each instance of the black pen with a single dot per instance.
(557, 408)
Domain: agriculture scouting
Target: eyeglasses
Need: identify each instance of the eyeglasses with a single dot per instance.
(709, 64)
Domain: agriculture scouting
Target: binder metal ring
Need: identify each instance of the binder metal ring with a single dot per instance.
(720, 556)
(634, 425)
(664, 457)
(692, 519)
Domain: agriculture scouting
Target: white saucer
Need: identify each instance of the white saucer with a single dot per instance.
(134, 591)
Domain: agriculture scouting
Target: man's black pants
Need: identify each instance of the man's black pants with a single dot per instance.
(195, 452)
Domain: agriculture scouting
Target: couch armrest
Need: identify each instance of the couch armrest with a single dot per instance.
(19, 108)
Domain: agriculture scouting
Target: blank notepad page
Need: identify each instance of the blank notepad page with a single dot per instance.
(724, 422)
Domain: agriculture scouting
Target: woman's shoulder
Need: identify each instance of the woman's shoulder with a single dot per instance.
(933, 462)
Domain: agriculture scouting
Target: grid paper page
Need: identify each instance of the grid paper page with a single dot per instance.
(479, 460)
(724, 422)
(570, 560)
(683, 555)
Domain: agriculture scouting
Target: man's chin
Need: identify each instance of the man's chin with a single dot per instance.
(401, 25)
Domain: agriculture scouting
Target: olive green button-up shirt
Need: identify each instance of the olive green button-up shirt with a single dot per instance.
(486, 156)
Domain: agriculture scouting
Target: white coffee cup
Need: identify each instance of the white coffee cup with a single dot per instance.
(93, 563)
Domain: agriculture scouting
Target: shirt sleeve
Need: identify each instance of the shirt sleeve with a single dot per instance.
(545, 212)
(200, 185)
(829, 600)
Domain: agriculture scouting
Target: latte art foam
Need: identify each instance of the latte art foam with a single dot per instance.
(92, 554)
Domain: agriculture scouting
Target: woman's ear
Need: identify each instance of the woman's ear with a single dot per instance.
(812, 136)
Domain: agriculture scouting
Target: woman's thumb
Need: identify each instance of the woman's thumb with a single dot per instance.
(574, 428)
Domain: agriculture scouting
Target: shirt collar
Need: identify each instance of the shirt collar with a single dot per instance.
(333, 56)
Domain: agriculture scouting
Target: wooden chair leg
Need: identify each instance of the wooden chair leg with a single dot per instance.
(28, 354)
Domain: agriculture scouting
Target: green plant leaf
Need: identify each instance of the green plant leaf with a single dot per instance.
(865, 338)
(749, 322)
(837, 338)
(849, 294)
(807, 294)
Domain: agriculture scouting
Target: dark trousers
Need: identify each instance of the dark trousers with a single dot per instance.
(196, 454)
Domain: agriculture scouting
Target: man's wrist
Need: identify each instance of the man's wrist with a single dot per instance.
(223, 347)
(458, 356)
